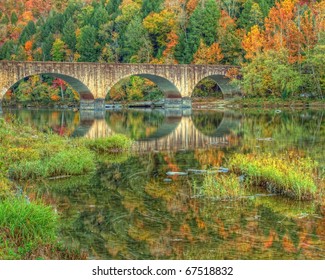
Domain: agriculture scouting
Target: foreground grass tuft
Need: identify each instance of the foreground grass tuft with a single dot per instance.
(281, 174)
(24, 226)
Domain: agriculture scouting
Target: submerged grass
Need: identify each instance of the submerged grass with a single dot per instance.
(292, 176)
(222, 186)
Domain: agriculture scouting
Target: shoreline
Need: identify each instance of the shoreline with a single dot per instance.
(208, 104)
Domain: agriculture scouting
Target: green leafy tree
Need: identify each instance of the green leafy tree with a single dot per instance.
(270, 74)
(265, 6)
(85, 16)
(58, 50)
(314, 67)
(5, 19)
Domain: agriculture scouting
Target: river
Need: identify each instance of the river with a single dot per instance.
(131, 208)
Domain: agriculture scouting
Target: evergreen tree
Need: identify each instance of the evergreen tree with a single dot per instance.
(203, 24)
(86, 44)
(100, 17)
(183, 52)
(245, 15)
(69, 34)
(265, 6)
(14, 18)
(72, 9)
(251, 15)
(112, 8)
(135, 38)
(7, 50)
(47, 47)
(27, 33)
(149, 6)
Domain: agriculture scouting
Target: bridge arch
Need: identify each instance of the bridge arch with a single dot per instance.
(228, 90)
(169, 89)
(76, 84)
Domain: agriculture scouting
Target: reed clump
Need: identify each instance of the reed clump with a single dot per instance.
(225, 186)
(284, 174)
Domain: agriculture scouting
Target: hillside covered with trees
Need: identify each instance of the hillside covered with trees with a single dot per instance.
(279, 44)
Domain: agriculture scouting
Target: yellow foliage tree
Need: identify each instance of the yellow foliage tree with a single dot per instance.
(253, 42)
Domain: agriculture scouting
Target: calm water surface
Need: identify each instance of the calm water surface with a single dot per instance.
(131, 209)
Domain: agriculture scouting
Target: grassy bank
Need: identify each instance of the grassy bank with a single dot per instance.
(281, 174)
(250, 102)
(276, 103)
(29, 229)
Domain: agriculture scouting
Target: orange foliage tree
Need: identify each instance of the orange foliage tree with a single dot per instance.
(208, 55)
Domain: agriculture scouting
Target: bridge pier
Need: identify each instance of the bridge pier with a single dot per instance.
(99, 104)
(93, 104)
(178, 103)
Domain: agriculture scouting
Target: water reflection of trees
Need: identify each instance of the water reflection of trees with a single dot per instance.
(60, 122)
(138, 125)
(128, 212)
(302, 131)
(207, 122)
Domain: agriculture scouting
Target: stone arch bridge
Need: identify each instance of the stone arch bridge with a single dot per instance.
(94, 80)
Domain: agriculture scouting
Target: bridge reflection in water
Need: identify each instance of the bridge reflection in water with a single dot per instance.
(160, 130)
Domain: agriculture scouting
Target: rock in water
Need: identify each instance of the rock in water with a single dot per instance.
(167, 180)
(171, 173)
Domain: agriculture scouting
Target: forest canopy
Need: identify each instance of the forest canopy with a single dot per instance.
(279, 44)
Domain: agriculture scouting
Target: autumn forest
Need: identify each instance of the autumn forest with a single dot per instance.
(280, 45)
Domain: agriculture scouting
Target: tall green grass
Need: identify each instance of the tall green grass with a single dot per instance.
(115, 143)
(76, 161)
(24, 226)
(292, 176)
(225, 186)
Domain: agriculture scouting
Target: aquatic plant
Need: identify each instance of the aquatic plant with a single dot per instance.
(222, 186)
(77, 161)
(289, 175)
(115, 143)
